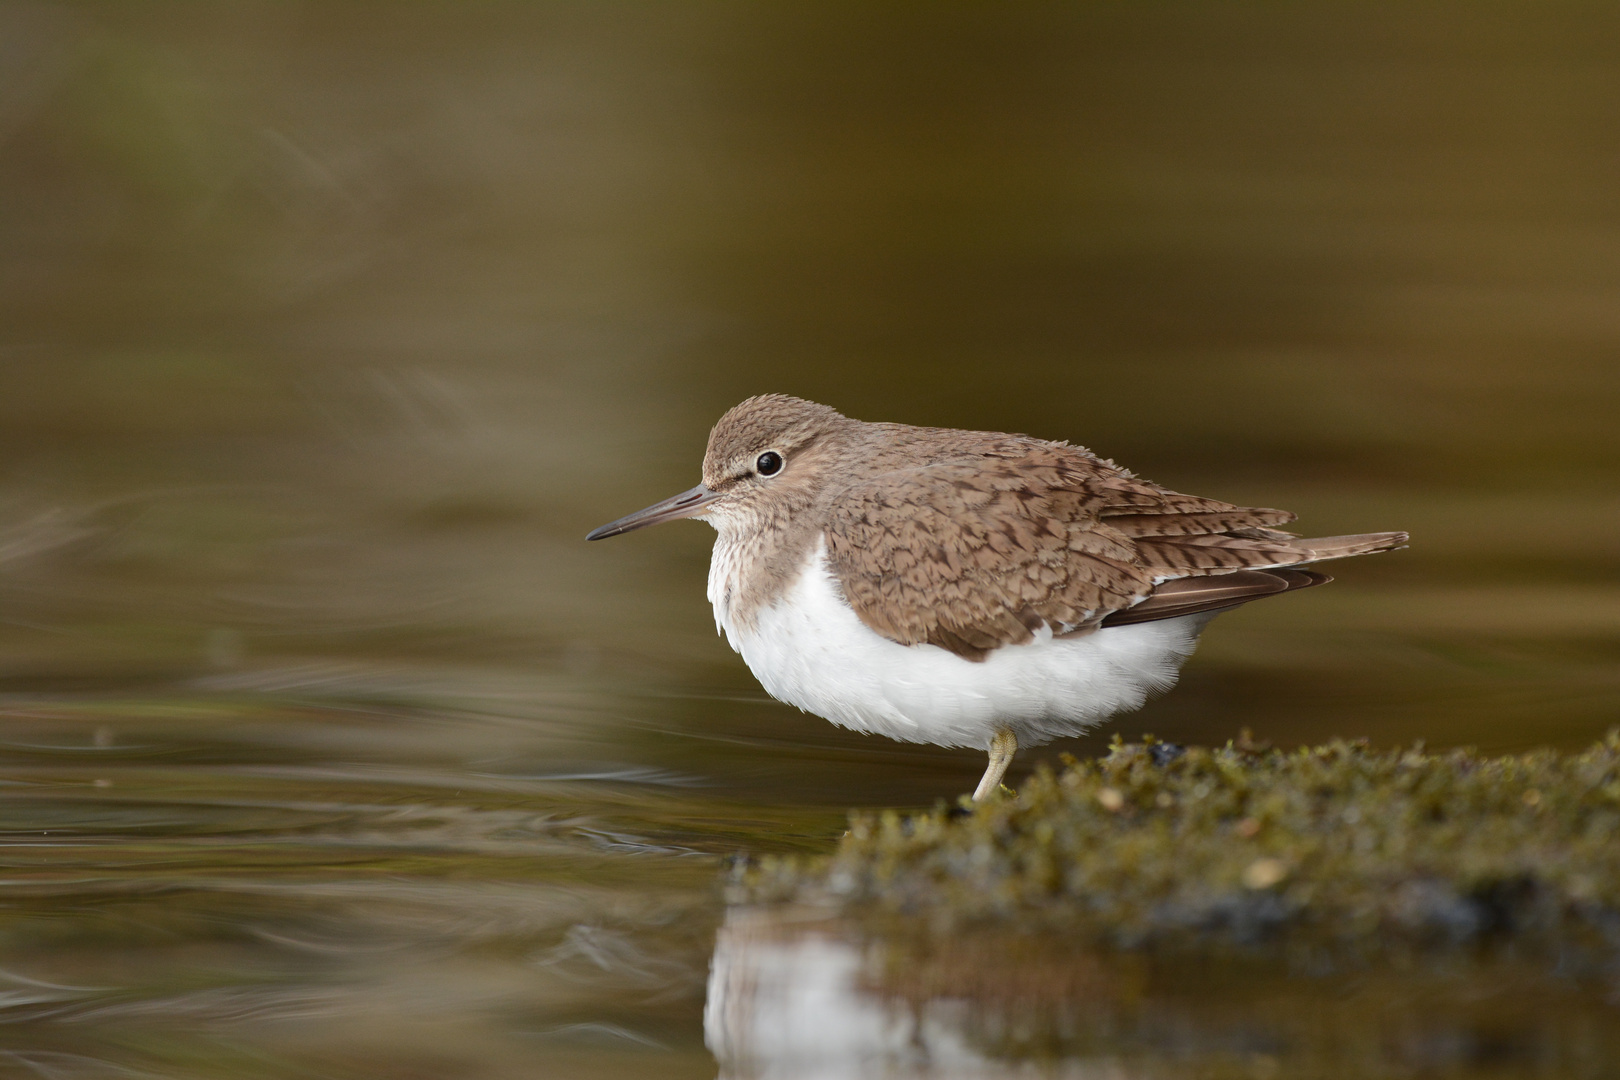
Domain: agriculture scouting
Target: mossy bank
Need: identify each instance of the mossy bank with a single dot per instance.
(1337, 844)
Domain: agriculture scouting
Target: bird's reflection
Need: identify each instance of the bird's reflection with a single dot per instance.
(793, 996)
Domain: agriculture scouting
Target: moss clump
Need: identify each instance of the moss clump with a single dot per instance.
(1337, 842)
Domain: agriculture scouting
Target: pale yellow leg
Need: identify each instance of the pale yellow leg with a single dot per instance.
(1002, 748)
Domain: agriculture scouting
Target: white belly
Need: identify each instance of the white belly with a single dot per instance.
(811, 650)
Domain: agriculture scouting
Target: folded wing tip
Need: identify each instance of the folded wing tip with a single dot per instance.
(1215, 592)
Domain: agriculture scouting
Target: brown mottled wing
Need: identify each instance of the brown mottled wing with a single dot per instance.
(973, 555)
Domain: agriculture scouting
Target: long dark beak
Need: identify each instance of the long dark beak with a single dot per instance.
(686, 504)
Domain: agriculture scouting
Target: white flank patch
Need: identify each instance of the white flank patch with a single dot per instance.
(811, 650)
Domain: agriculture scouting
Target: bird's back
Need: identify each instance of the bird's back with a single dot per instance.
(975, 541)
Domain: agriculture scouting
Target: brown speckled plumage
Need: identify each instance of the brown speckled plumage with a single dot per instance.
(975, 540)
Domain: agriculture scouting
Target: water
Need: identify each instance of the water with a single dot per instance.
(327, 747)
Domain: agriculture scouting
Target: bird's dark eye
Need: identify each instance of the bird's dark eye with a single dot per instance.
(769, 463)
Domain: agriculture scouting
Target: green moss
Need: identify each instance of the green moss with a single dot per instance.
(1336, 843)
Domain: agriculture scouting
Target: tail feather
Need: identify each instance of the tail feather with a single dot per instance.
(1339, 547)
(1204, 585)
(1193, 556)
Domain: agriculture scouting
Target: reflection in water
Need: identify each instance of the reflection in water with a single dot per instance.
(791, 1001)
(797, 995)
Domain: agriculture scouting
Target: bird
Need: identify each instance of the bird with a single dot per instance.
(966, 588)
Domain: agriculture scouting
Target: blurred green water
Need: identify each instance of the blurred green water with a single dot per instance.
(326, 331)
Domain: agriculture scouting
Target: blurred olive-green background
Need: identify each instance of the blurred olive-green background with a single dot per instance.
(327, 331)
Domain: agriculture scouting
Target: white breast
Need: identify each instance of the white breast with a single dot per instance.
(811, 650)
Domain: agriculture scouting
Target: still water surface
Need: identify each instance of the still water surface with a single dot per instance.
(327, 747)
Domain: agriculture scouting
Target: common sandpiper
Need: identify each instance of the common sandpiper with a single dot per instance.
(966, 588)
